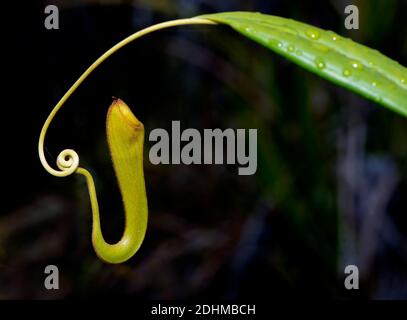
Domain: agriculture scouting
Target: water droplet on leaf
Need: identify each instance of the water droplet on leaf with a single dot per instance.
(356, 65)
(347, 73)
(275, 43)
(313, 34)
(378, 99)
(333, 35)
(320, 63)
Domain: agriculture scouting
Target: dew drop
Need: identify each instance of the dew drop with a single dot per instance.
(320, 63)
(275, 43)
(347, 73)
(378, 99)
(313, 34)
(298, 52)
(403, 81)
(290, 48)
(333, 35)
(356, 65)
(374, 84)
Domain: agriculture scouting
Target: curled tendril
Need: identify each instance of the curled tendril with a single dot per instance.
(68, 162)
(68, 159)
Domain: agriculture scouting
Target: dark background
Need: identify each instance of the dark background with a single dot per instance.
(332, 167)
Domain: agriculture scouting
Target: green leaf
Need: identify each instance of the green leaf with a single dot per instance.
(349, 64)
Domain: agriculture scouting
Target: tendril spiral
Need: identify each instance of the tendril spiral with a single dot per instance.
(68, 159)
